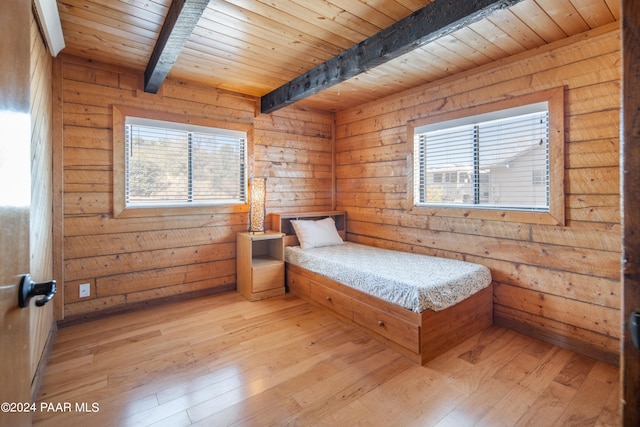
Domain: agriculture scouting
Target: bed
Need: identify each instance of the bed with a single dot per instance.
(372, 288)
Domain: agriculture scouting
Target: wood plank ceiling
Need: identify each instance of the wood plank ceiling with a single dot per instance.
(253, 47)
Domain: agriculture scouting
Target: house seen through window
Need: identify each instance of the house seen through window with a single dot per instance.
(491, 160)
(169, 164)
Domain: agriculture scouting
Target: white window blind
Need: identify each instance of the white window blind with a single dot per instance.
(494, 160)
(176, 164)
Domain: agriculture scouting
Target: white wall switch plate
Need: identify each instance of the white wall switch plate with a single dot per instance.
(85, 290)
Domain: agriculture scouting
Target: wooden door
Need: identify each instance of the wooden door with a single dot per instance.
(14, 322)
(42, 323)
(630, 363)
(15, 201)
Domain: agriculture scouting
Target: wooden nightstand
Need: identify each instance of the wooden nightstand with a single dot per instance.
(260, 264)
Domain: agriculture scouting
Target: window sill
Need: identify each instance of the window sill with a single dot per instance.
(161, 211)
(545, 218)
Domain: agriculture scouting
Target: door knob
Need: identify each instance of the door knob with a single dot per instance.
(29, 289)
(634, 328)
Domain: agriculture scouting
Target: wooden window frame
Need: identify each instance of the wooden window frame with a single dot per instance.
(556, 214)
(120, 208)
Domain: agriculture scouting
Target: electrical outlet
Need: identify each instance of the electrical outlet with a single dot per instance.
(85, 290)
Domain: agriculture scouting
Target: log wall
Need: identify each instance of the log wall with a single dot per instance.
(558, 283)
(130, 261)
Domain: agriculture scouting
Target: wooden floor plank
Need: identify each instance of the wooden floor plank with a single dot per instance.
(222, 360)
(549, 406)
(548, 367)
(477, 404)
(591, 397)
(510, 408)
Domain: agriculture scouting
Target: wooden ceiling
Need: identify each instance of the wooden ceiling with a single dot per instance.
(255, 46)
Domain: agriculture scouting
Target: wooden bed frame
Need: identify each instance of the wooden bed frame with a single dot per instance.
(419, 336)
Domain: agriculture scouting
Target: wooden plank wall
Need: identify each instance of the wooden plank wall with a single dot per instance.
(558, 283)
(41, 222)
(130, 261)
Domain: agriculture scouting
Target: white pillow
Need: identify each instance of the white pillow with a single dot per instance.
(314, 234)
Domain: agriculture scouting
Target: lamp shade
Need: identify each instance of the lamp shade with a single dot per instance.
(257, 201)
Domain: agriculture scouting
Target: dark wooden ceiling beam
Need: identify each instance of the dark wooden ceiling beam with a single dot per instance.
(437, 19)
(181, 19)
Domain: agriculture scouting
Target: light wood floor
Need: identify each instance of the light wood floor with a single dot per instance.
(221, 361)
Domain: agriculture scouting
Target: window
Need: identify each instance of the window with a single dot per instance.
(539, 177)
(171, 163)
(176, 167)
(486, 160)
(492, 158)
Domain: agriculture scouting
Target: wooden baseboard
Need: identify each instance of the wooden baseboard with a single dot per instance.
(142, 305)
(42, 363)
(560, 340)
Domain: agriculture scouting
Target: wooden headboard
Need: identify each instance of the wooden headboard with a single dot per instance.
(282, 223)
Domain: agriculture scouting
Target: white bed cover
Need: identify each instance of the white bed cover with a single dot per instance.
(413, 281)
